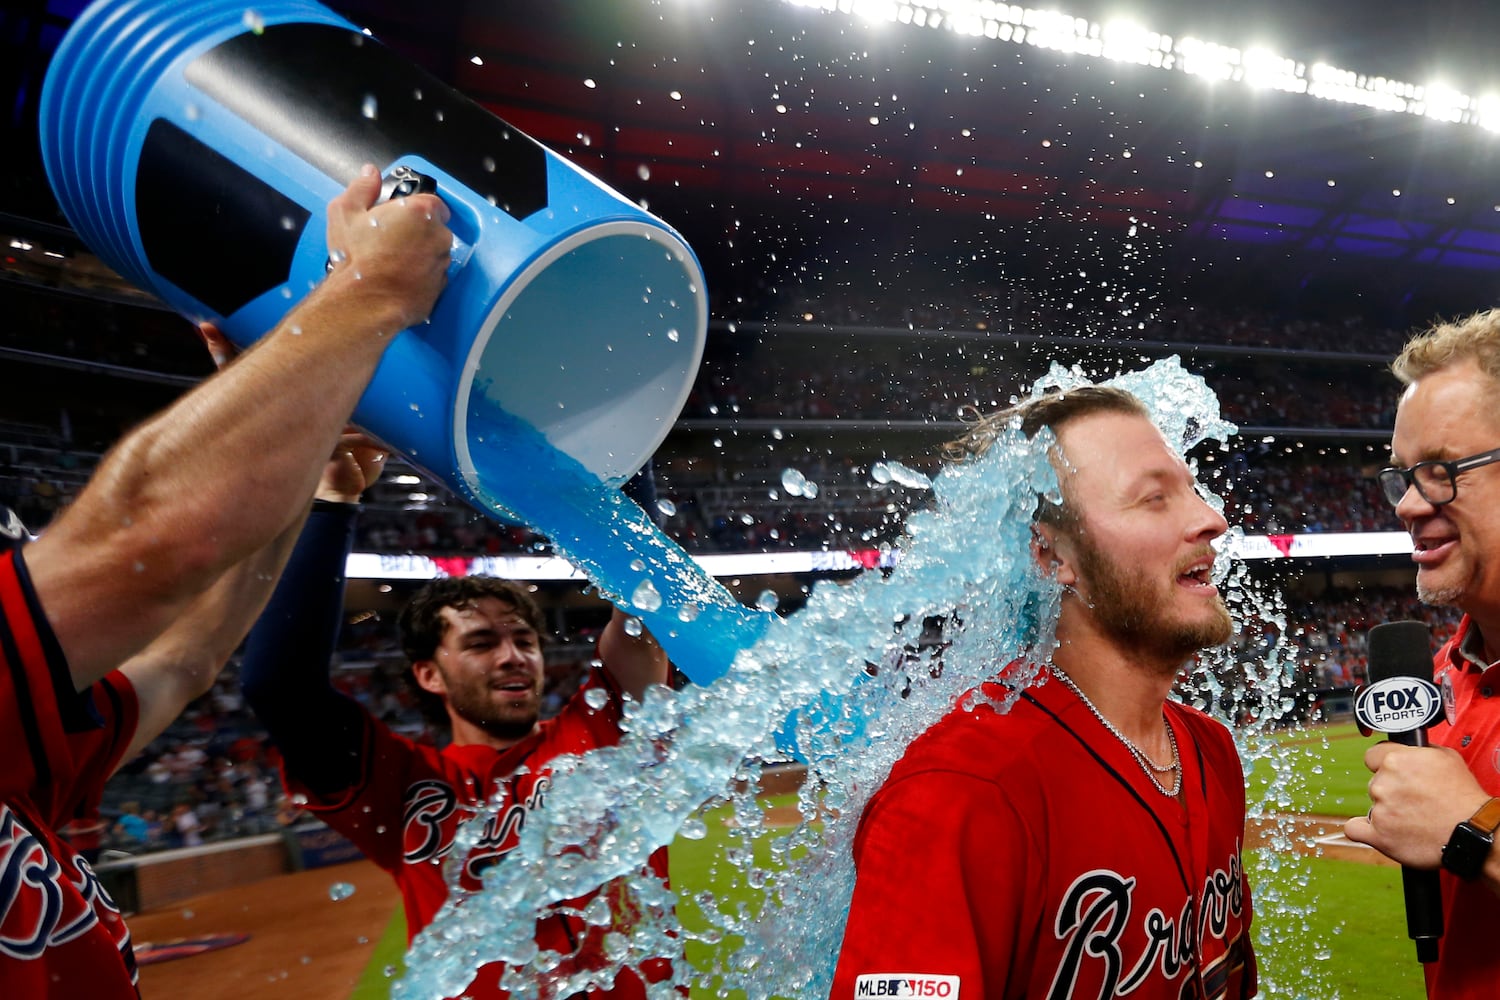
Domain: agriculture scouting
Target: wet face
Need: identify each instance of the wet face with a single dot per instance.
(1139, 560)
(488, 669)
(1445, 415)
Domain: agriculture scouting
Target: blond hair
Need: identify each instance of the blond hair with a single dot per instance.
(1475, 337)
(1053, 410)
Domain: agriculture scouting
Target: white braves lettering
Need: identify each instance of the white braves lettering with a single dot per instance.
(36, 910)
(428, 804)
(433, 813)
(1096, 910)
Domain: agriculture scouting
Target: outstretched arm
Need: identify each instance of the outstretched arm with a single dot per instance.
(634, 661)
(284, 672)
(183, 662)
(216, 477)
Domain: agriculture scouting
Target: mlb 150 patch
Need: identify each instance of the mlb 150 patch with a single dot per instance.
(906, 984)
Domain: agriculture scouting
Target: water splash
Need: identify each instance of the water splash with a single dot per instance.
(844, 685)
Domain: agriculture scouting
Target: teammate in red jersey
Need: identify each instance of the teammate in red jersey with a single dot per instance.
(1440, 805)
(161, 562)
(1087, 843)
(475, 645)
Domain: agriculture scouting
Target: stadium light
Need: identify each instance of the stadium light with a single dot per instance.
(1257, 67)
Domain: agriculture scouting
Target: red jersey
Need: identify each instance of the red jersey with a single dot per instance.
(1468, 964)
(1026, 854)
(405, 809)
(61, 936)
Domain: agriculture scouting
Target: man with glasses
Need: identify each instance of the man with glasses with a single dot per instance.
(1440, 805)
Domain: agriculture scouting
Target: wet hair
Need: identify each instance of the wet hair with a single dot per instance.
(1053, 410)
(423, 625)
(1476, 337)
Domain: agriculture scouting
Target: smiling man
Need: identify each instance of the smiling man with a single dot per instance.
(475, 646)
(1438, 805)
(1086, 843)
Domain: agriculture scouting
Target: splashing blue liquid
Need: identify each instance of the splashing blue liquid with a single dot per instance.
(611, 540)
(847, 670)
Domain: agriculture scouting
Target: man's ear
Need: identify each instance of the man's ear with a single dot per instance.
(429, 677)
(1053, 551)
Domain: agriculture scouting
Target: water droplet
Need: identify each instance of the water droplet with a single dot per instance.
(489, 164)
(287, 222)
(767, 601)
(633, 627)
(252, 20)
(910, 478)
(794, 482)
(597, 698)
(673, 335)
(688, 613)
(667, 507)
(643, 172)
(368, 107)
(646, 596)
(637, 566)
(192, 113)
(616, 946)
(590, 84)
(597, 912)
(693, 828)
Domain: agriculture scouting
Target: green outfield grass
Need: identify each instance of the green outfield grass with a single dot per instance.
(1329, 760)
(1352, 945)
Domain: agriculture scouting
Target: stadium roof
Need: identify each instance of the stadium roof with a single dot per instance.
(782, 137)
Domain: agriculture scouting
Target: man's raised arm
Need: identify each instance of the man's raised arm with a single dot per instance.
(222, 472)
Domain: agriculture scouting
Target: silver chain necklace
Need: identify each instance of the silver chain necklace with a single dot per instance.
(1149, 766)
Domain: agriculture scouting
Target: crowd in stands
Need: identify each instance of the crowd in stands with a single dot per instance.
(936, 386)
(981, 307)
(130, 335)
(719, 504)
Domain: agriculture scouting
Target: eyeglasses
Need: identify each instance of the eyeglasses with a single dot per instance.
(1437, 482)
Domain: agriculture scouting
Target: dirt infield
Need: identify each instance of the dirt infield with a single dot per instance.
(1322, 836)
(303, 945)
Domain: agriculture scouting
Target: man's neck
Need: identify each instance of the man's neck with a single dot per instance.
(466, 734)
(1127, 688)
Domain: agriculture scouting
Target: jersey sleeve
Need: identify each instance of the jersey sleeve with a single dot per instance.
(52, 737)
(99, 749)
(285, 670)
(370, 809)
(943, 866)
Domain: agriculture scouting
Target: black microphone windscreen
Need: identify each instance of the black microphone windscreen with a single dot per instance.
(1400, 649)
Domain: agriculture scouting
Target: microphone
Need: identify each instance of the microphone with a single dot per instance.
(1401, 701)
